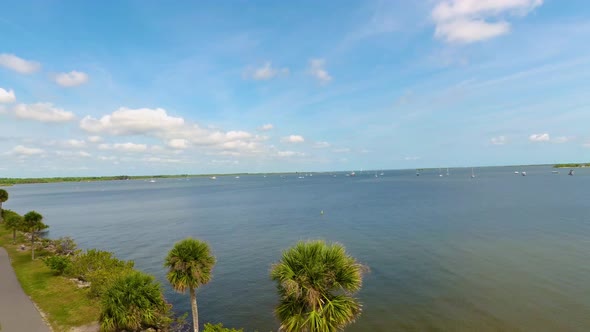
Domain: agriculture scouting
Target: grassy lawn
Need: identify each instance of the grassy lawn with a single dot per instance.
(65, 305)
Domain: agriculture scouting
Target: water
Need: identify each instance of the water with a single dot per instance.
(500, 252)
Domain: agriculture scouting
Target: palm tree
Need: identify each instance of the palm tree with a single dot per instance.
(14, 221)
(189, 265)
(316, 282)
(133, 302)
(33, 222)
(3, 198)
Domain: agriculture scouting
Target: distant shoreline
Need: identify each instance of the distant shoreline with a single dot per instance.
(7, 182)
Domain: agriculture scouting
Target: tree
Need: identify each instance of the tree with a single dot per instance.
(189, 265)
(134, 302)
(13, 221)
(33, 223)
(3, 198)
(316, 282)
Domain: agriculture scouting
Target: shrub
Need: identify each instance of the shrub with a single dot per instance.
(65, 246)
(134, 302)
(57, 264)
(219, 328)
(98, 267)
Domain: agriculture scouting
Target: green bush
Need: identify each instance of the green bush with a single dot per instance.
(219, 328)
(134, 302)
(57, 264)
(100, 268)
(65, 246)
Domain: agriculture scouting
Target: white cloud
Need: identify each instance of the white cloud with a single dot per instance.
(94, 139)
(290, 154)
(539, 137)
(317, 70)
(124, 147)
(563, 139)
(73, 78)
(321, 145)
(467, 21)
(161, 160)
(178, 143)
(7, 96)
(468, 31)
(173, 131)
(17, 64)
(410, 158)
(73, 154)
(293, 139)
(26, 151)
(586, 145)
(74, 143)
(266, 72)
(127, 121)
(499, 140)
(44, 112)
(266, 127)
(341, 150)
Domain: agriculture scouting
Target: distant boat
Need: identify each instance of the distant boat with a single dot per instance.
(237, 177)
(571, 173)
(353, 173)
(516, 172)
(417, 173)
(152, 180)
(301, 177)
(381, 174)
(213, 178)
(555, 172)
(472, 173)
(523, 173)
(440, 173)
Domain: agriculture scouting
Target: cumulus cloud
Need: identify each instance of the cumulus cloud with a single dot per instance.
(83, 154)
(563, 139)
(174, 132)
(26, 151)
(123, 147)
(290, 154)
(499, 140)
(321, 145)
(317, 70)
(540, 137)
(7, 96)
(265, 72)
(127, 121)
(178, 143)
(94, 139)
(266, 127)
(17, 64)
(44, 112)
(71, 79)
(293, 139)
(74, 143)
(467, 21)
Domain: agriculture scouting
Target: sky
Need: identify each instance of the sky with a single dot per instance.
(189, 87)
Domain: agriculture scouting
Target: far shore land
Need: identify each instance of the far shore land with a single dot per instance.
(6, 182)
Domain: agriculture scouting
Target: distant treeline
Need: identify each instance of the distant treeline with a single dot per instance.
(11, 181)
(571, 165)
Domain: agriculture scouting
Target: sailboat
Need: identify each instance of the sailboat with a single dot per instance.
(472, 173)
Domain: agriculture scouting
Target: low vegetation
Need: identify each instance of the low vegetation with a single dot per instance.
(574, 165)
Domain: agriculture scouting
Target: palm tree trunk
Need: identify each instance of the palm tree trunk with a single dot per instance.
(32, 245)
(1, 219)
(195, 310)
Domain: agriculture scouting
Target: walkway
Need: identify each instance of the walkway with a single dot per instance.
(17, 312)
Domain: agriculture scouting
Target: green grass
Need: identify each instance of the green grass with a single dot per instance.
(64, 304)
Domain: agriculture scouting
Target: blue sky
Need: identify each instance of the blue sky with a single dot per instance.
(148, 87)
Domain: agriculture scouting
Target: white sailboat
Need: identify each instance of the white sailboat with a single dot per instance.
(472, 173)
